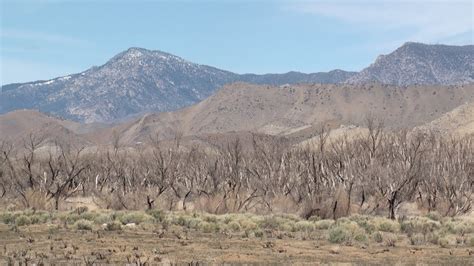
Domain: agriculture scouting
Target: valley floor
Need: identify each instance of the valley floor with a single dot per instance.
(151, 243)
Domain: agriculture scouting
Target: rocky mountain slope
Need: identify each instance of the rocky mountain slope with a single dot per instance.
(331, 77)
(134, 82)
(417, 63)
(290, 110)
(139, 81)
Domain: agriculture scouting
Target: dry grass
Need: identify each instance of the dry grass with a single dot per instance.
(192, 236)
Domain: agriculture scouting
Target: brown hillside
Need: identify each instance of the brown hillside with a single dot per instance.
(18, 125)
(459, 121)
(291, 110)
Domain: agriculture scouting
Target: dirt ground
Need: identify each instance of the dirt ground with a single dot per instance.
(39, 244)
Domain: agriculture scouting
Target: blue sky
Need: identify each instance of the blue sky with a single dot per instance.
(42, 39)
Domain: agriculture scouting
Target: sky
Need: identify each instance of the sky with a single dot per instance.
(43, 39)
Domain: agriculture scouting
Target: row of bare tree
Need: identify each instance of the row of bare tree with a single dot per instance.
(373, 173)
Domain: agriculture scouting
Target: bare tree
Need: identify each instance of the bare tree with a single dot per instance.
(63, 173)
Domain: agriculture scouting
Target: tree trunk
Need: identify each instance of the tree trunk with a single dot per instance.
(391, 204)
(56, 203)
(185, 198)
(391, 207)
(149, 202)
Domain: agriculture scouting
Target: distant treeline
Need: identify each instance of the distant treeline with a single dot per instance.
(373, 173)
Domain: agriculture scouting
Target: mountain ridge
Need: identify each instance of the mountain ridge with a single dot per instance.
(138, 81)
(131, 83)
(418, 63)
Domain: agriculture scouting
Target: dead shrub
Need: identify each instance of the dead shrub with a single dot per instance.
(283, 204)
(37, 200)
(210, 204)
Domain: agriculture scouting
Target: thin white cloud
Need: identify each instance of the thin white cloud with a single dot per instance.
(424, 21)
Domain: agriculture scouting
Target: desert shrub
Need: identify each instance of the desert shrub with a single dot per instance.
(435, 216)
(189, 221)
(417, 239)
(208, 227)
(90, 216)
(460, 227)
(81, 210)
(7, 217)
(258, 233)
(343, 220)
(390, 240)
(314, 218)
(433, 238)
(360, 236)
(39, 218)
(443, 242)
(288, 226)
(388, 226)
(211, 219)
(271, 222)
(385, 225)
(165, 224)
(377, 237)
(117, 215)
(471, 241)
(83, 225)
(113, 226)
(157, 214)
(255, 218)
(69, 218)
(228, 218)
(357, 217)
(135, 217)
(149, 227)
(287, 217)
(217, 227)
(304, 226)
(192, 222)
(180, 220)
(367, 226)
(426, 226)
(234, 226)
(338, 235)
(53, 229)
(248, 224)
(323, 224)
(421, 225)
(460, 240)
(449, 225)
(28, 212)
(408, 228)
(345, 230)
(22, 220)
(102, 218)
(364, 222)
(246, 234)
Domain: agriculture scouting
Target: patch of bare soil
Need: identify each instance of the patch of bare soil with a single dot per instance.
(45, 244)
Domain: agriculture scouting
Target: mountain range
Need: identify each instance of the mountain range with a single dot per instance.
(290, 113)
(134, 82)
(417, 63)
(139, 81)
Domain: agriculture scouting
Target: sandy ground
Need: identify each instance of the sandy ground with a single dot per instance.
(38, 243)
